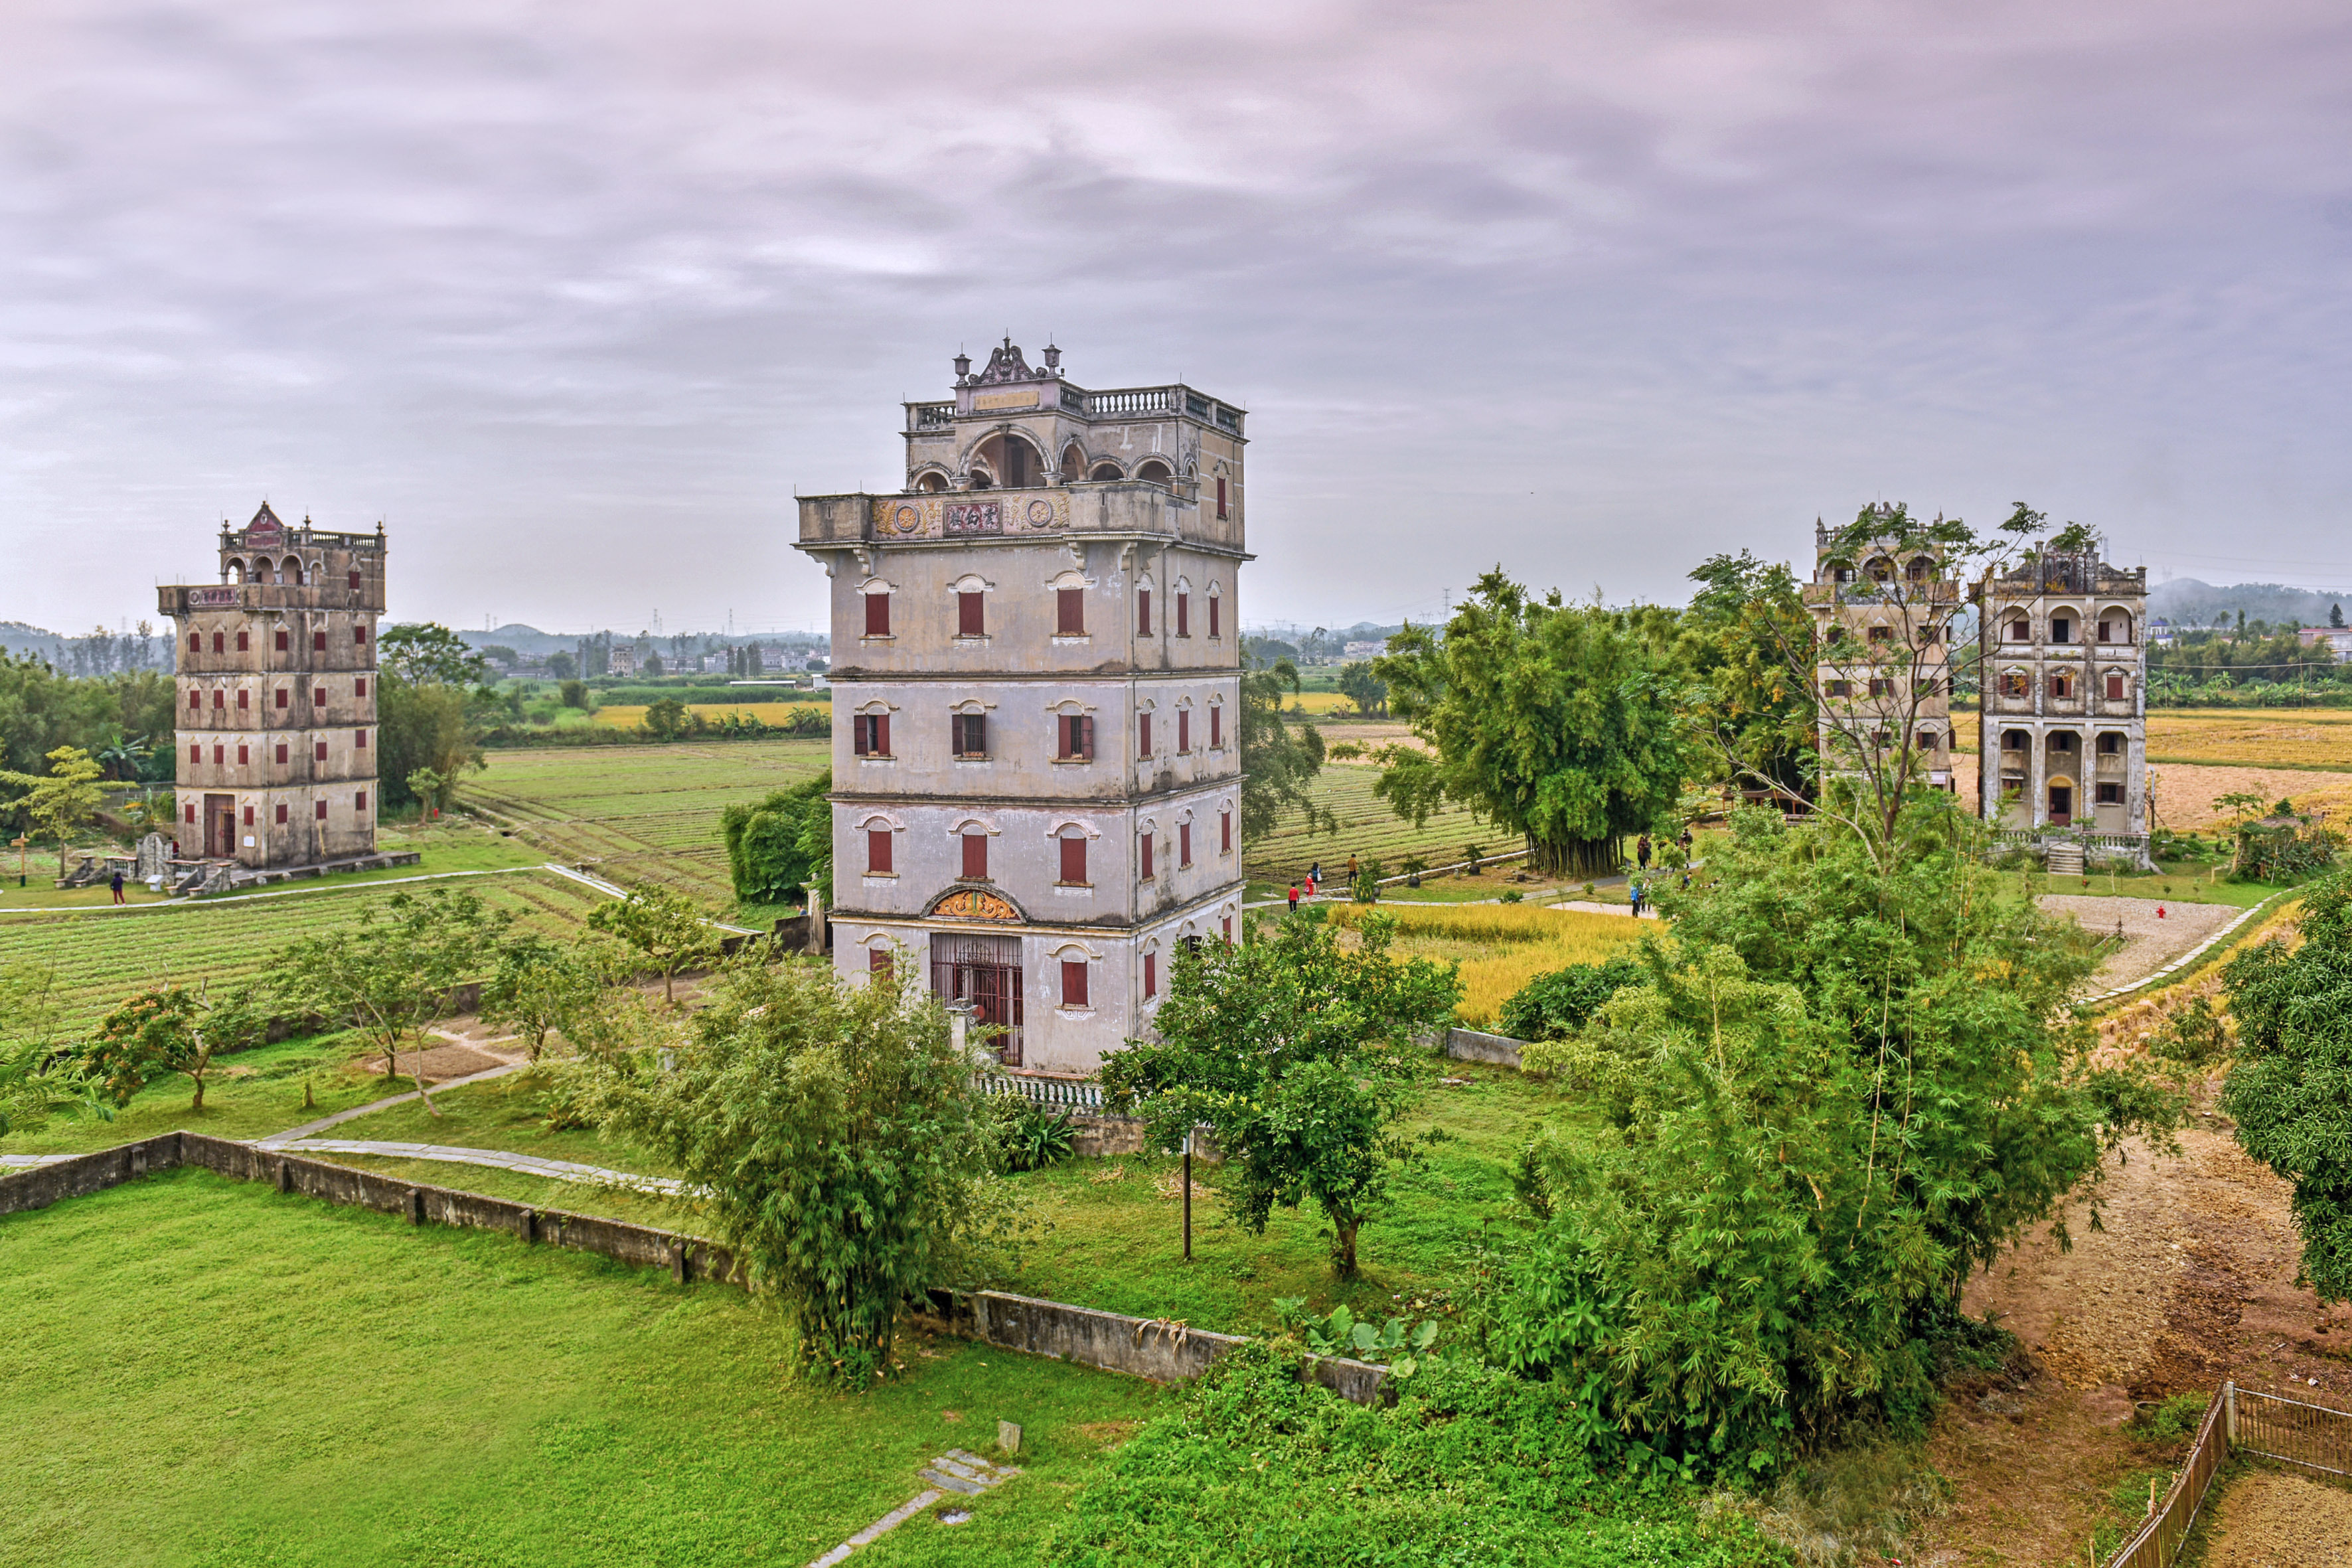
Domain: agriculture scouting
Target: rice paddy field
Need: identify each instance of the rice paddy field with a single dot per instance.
(640, 814)
(1500, 947)
(2318, 738)
(1369, 828)
(101, 957)
(629, 715)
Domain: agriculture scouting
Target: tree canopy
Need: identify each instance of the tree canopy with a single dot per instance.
(1300, 1055)
(1736, 637)
(777, 845)
(2290, 1090)
(1280, 756)
(1564, 723)
(844, 1141)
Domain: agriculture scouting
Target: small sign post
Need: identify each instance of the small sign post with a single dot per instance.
(22, 853)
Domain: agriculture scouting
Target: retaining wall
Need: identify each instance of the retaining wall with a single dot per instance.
(1471, 1046)
(1162, 1350)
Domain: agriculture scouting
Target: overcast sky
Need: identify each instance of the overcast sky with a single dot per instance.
(576, 296)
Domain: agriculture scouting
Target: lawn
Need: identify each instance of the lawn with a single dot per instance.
(102, 958)
(640, 814)
(206, 1371)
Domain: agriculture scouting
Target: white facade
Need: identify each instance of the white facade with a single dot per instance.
(1036, 772)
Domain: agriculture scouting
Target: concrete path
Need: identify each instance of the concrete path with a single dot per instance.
(495, 1159)
(276, 1139)
(25, 1162)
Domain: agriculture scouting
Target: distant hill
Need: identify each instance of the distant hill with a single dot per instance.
(2185, 602)
(21, 640)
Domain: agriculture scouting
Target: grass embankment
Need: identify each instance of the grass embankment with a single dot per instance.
(203, 1371)
(100, 959)
(1500, 947)
(251, 1094)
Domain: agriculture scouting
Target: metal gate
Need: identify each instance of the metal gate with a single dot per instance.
(984, 971)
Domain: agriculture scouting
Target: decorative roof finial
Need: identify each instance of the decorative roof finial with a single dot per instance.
(963, 368)
(1053, 354)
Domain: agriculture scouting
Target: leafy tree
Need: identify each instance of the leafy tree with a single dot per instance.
(63, 801)
(1359, 686)
(502, 655)
(1301, 1057)
(573, 693)
(562, 666)
(170, 1028)
(2290, 1089)
(427, 728)
(666, 718)
(390, 973)
(666, 928)
(1827, 1118)
(541, 987)
(37, 1075)
(1559, 722)
(1279, 758)
(1741, 626)
(782, 843)
(844, 1143)
(2336, 616)
(423, 653)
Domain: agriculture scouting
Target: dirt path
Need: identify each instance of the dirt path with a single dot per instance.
(2267, 1518)
(2188, 1278)
(2150, 941)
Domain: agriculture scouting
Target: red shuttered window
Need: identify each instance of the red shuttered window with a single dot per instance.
(1184, 614)
(1184, 844)
(1147, 857)
(1070, 612)
(877, 615)
(1073, 861)
(1143, 734)
(878, 850)
(1151, 975)
(976, 856)
(1225, 833)
(969, 622)
(1216, 727)
(1215, 603)
(1074, 982)
(1183, 730)
(1143, 612)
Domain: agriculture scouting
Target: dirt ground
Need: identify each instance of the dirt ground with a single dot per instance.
(2186, 1279)
(2149, 942)
(2266, 1518)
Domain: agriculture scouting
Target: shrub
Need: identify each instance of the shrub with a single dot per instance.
(1554, 1006)
(1030, 1137)
(1365, 888)
(777, 845)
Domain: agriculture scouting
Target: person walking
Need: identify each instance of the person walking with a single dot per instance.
(1351, 870)
(1635, 890)
(118, 884)
(1314, 875)
(1294, 897)
(1642, 852)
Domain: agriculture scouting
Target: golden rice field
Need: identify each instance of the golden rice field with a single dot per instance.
(2232, 737)
(1500, 947)
(629, 715)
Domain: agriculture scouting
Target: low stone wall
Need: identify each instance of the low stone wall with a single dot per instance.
(1160, 1351)
(1100, 1137)
(1471, 1046)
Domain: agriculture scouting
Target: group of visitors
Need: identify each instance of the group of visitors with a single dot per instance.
(1313, 878)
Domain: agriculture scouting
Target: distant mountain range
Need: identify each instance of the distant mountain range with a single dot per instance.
(530, 642)
(2185, 602)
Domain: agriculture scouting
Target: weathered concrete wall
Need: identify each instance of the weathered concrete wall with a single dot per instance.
(1160, 1351)
(1103, 1136)
(1471, 1046)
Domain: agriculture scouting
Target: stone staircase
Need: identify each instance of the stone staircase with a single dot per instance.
(2065, 859)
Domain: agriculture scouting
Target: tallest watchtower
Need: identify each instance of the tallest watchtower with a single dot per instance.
(1036, 684)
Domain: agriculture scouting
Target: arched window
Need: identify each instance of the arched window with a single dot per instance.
(1881, 569)
(2017, 629)
(931, 483)
(1074, 464)
(1920, 570)
(2115, 625)
(1103, 472)
(1154, 471)
(1009, 460)
(235, 570)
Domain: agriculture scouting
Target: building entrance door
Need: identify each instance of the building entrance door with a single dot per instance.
(984, 971)
(2061, 804)
(220, 825)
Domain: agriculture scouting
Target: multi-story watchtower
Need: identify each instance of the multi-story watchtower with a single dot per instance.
(1881, 617)
(276, 696)
(1036, 680)
(2063, 739)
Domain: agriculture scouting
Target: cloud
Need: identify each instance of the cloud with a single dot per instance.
(577, 296)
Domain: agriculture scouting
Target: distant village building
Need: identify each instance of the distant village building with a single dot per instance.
(1373, 649)
(276, 737)
(1036, 672)
(1882, 619)
(2339, 639)
(2064, 737)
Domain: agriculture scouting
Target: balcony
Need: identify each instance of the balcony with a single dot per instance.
(1174, 402)
(179, 599)
(1108, 508)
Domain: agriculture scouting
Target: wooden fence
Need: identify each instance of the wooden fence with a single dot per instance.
(2266, 1425)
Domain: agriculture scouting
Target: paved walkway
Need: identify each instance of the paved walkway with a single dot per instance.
(495, 1159)
(278, 1139)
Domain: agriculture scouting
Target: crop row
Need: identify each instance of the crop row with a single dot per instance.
(102, 958)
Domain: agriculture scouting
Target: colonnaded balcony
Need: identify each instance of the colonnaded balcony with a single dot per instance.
(1113, 508)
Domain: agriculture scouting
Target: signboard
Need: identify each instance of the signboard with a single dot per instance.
(973, 517)
(212, 598)
(991, 402)
(267, 535)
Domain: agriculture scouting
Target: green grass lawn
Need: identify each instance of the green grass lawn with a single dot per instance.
(249, 1095)
(2188, 883)
(206, 1371)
